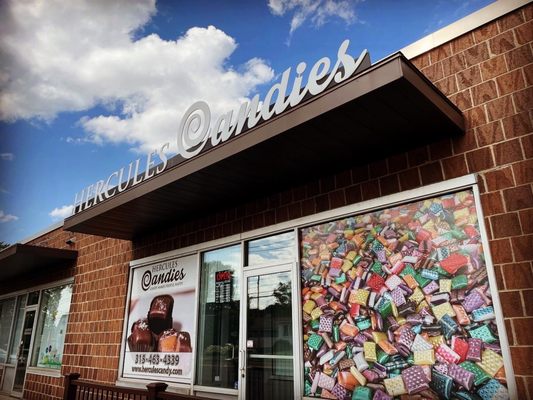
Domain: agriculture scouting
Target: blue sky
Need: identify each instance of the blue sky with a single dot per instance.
(88, 87)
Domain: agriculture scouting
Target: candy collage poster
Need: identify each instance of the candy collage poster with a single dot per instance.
(397, 303)
(160, 326)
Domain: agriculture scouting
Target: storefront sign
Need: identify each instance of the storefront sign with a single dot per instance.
(117, 182)
(195, 129)
(160, 328)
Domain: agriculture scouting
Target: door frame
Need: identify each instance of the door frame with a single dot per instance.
(249, 271)
(32, 308)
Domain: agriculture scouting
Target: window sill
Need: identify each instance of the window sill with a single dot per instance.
(54, 373)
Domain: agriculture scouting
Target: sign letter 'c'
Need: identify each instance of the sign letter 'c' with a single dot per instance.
(193, 131)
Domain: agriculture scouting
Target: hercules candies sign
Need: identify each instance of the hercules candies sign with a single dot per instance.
(196, 130)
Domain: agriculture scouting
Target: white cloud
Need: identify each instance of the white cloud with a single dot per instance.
(7, 217)
(7, 156)
(317, 11)
(61, 212)
(71, 56)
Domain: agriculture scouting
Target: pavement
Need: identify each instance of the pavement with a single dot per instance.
(7, 397)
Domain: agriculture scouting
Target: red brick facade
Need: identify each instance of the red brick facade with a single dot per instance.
(488, 74)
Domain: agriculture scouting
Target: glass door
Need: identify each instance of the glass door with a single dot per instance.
(24, 351)
(267, 356)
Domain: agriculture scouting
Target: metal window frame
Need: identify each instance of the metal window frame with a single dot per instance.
(428, 191)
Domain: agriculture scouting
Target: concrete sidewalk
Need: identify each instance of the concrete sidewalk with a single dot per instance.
(4, 396)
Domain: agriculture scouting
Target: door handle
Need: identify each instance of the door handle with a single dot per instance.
(243, 362)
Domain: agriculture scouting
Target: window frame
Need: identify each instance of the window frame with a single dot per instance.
(403, 197)
(56, 373)
(36, 323)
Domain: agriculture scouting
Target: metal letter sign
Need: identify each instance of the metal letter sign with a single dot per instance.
(195, 129)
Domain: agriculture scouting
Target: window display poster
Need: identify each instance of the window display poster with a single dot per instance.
(398, 302)
(160, 323)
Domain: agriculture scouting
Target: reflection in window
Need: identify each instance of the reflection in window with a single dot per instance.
(269, 315)
(7, 310)
(17, 330)
(272, 249)
(52, 326)
(218, 326)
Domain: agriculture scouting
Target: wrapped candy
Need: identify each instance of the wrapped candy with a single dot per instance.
(396, 302)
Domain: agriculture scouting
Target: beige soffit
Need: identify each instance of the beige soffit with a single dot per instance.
(464, 25)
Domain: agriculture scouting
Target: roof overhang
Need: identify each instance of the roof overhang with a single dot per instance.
(387, 108)
(20, 259)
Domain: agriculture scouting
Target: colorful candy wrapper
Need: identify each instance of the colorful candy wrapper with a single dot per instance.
(493, 390)
(483, 314)
(490, 362)
(358, 376)
(410, 281)
(346, 380)
(446, 354)
(454, 262)
(460, 346)
(480, 376)
(415, 380)
(362, 393)
(459, 282)
(315, 341)
(429, 274)
(461, 376)
(441, 384)
(326, 323)
(431, 287)
(474, 350)
(398, 297)
(473, 301)
(339, 392)
(309, 305)
(370, 351)
(326, 357)
(443, 309)
(424, 357)
(484, 333)
(375, 282)
(360, 362)
(407, 336)
(449, 326)
(441, 368)
(419, 344)
(436, 341)
(393, 281)
(461, 315)
(316, 313)
(326, 382)
(395, 386)
(417, 296)
(445, 285)
(314, 385)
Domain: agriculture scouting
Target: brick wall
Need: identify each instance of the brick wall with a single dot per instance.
(488, 73)
(92, 342)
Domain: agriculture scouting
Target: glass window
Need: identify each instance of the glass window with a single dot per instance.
(7, 310)
(17, 330)
(218, 327)
(51, 328)
(33, 298)
(419, 266)
(272, 249)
